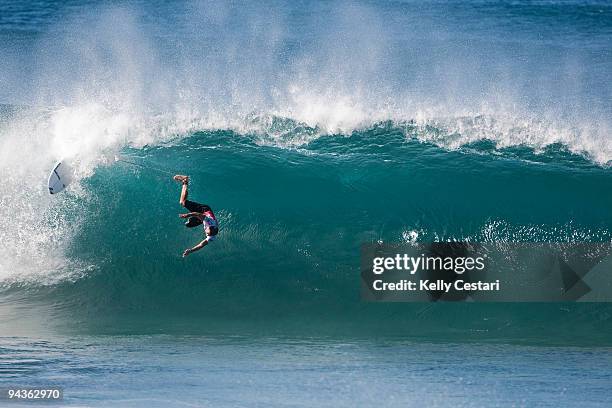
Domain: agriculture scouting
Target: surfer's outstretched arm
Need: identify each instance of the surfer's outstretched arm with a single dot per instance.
(195, 248)
(191, 214)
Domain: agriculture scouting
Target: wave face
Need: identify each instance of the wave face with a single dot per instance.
(292, 222)
(340, 124)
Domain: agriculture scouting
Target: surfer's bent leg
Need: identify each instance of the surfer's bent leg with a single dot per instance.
(184, 192)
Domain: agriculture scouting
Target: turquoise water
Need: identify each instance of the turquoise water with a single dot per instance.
(310, 129)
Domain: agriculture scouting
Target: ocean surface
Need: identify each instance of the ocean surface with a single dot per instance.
(310, 128)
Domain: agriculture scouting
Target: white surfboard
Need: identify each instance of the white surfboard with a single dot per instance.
(60, 177)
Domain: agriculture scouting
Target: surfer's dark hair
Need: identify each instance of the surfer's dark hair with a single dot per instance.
(193, 222)
(213, 230)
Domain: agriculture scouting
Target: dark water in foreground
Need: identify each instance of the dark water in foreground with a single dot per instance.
(161, 371)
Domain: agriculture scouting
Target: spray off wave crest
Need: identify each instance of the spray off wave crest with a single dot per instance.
(132, 77)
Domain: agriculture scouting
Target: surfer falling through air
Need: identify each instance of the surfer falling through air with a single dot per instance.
(200, 214)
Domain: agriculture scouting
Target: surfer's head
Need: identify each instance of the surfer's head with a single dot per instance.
(211, 231)
(193, 222)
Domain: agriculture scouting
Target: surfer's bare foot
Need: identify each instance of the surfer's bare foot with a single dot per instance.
(182, 179)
